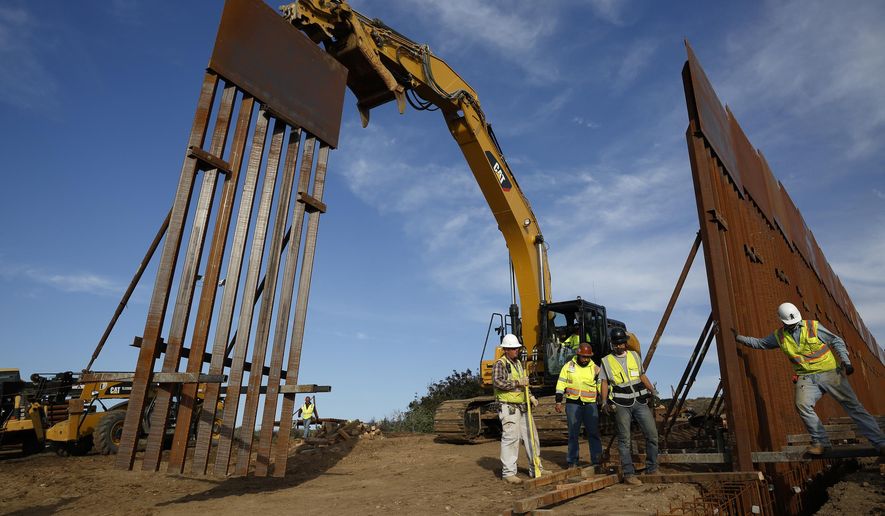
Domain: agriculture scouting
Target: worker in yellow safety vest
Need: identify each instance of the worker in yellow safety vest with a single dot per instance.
(810, 349)
(574, 336)
(625, 384)
(510, 380)
(308, 414)
(577, 384)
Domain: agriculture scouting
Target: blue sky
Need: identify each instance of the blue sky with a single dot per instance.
(96, 101)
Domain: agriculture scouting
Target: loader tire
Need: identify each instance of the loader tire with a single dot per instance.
(108, 431)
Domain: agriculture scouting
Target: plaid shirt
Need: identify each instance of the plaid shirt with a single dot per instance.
(501, 377)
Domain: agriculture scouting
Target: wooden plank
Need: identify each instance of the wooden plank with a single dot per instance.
(568, 492)
(163, 283)
(307, 388)
(552, 478)
(723, 476)
(691, 458)
(806, 438)
(157, 377)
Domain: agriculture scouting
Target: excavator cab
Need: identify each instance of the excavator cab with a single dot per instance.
(564, 324)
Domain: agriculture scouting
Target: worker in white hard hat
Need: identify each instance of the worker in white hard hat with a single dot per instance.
(509, 379)
(810, 348)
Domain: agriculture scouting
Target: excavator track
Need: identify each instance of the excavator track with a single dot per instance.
(470, 421)
(475, 420)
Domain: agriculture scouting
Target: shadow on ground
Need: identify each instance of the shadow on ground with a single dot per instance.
(300, 468)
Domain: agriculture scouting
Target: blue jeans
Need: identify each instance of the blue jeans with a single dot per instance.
(588, 415)
(642, 414)
(306, 428)
(810, 388)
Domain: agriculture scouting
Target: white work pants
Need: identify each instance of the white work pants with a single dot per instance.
(514, 425)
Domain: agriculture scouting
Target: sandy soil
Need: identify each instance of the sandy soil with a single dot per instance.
(409, 474)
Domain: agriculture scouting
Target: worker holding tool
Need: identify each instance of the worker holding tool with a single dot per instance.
(578, 385)
(511, 391)
(307, 413)
(621, 373)
(810, 348)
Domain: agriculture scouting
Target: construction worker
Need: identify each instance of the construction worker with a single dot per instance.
(574, 336)
(578, 385)
(624, 382)
(809, 347)
(307, 413)
(510, 380)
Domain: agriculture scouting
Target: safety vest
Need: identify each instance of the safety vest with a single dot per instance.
(307, 411)
(626, 387)
(810, 355)
(515, 372)
(578, 383)
(573, 340)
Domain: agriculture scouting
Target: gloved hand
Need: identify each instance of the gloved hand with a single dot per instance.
(522, 382)
(534, 401)
(608, 408)
(849, 369)
(558, 408)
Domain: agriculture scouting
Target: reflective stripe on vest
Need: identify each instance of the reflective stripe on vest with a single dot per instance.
(578, 383)
(515, 372)
(810, 355)
(626, 387)
(307, 412)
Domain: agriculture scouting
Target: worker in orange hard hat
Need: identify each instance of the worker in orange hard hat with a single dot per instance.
(810, 348)
(578, 385)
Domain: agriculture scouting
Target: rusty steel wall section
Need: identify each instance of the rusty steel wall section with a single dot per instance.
(759, 253)
(275, 85)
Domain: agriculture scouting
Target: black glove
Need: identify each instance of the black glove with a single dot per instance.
(849, 369)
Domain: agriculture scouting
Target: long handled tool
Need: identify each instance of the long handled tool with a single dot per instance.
(536, 457)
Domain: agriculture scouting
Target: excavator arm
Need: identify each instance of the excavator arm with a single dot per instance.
(383, 65)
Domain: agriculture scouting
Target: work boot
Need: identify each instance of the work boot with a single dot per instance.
(816, 449)
(632, 480)
(572, 466)
(513, 479)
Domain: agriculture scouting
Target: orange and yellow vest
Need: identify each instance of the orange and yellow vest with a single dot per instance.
(578, 383)
(307, 411)
(810, 355)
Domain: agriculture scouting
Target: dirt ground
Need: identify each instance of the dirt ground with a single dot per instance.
(861, 492)
(409, 474)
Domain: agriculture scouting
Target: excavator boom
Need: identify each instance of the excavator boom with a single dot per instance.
(383, 65)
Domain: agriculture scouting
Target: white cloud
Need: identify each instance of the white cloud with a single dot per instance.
(814, 59)
(611, 11)
(636, 60)
(84, 282)
(25, 82)
(514, 31)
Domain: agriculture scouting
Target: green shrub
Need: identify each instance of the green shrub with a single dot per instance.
(419, 415)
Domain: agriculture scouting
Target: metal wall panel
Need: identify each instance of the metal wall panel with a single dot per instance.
(759, 253)
(271, 74)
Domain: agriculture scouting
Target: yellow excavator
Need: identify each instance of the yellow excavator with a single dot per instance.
(62, 413)
(383, 66)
